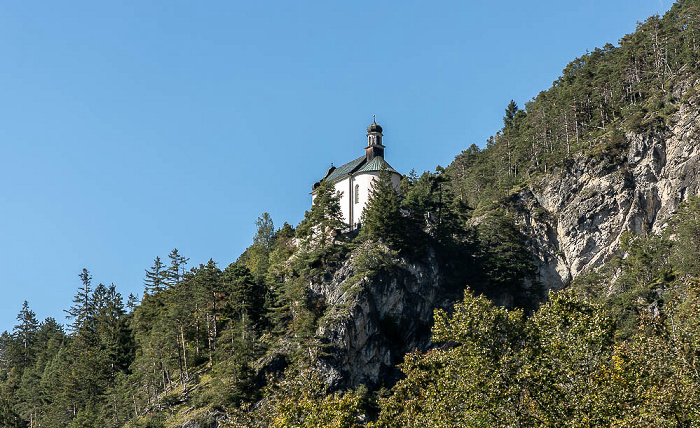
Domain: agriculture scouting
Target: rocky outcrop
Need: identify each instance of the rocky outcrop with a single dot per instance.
(575, 217)
(380, 307)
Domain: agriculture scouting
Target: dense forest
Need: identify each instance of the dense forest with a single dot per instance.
(238, 345)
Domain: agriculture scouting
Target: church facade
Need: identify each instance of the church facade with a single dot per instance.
(354, 180)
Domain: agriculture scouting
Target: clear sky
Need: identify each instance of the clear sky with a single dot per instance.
(130, 128)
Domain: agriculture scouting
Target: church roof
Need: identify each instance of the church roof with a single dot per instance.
(374, 150)
(344, 170)
(377, 164)
(358, 165)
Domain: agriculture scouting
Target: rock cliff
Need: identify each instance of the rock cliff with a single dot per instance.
(576, 216)
(380, 307)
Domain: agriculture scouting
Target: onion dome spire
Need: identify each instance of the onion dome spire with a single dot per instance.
(374, 140)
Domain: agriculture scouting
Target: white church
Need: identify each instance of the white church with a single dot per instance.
(354, 179)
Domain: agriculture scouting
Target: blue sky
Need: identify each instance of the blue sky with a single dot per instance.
(132, 128)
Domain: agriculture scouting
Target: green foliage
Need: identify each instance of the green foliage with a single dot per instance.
(82, 305)
(176, 269)
(300, 399)
(156, 278)
(382, 219)
(613, 88)
(374, 258)
(504, 258)
(685, 230)
(432, 204)
(459, 384)
(24, 335)
(257, 257)
(57, 380)
(559, 367)
(265, 234)
(8, 417)
(569, 347)
(653, 264)
(325, 220)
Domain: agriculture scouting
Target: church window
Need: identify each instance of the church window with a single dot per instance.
(357, 193)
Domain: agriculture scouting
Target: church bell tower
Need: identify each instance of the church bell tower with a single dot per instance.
(374, 141)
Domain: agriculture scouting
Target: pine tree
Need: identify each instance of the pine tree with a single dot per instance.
(112, 331)
(382, 218)
(511, 111)
(25, 332)
(81, 312)
(176, 268)
(686, 227)
(131, 302)
(257, 256)
(8, 417)
(208, 290)
(265, 234)
(325, 219)
(156, 277)
(245, 295)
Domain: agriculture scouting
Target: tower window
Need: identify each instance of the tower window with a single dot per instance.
(357, 193)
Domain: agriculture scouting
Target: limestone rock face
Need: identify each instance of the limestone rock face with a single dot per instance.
(374, 319)
(576, 216)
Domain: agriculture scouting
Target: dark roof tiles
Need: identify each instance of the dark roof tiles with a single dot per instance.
(358, 165)
(342, 171)
(377, 164)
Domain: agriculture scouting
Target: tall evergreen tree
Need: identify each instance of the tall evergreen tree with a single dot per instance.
(207, 281)
(177, 267)
(511, 112)
(156, 277)
(81, 312)
(382, 218)
(325, 219)
(25, 333)
(257, 256)
(505, 259)
(265, 234)
(246, 297)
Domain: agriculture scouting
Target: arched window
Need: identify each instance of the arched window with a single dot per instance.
(357, 193)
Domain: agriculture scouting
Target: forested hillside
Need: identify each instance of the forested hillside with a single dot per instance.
(636, 86)
(440, 312)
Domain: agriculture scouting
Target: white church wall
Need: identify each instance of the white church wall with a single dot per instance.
(352, 207)
(342, 187)
(365, 182)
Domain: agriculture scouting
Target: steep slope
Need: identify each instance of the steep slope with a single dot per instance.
(377, 306)
(576, 216)
(375, 319)
(610, 148)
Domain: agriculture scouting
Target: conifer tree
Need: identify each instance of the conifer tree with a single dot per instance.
(208, 286)
(156, 277)
(325, 218)
(265, 234)
(686, 228)
(176, 268)
(257, 256)
(25, 332)
(81, 312)
(382, 218)
(245, 295)
(505, 258)
(8, 417)
(511, 111)
(131, 302)
(113, 334)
